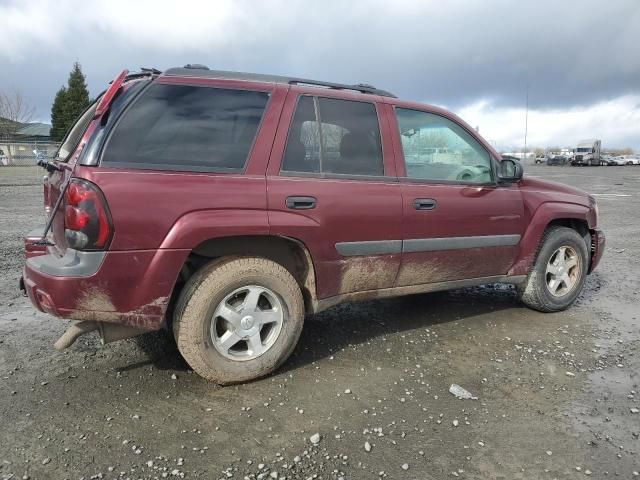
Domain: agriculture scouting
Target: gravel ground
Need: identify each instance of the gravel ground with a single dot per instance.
(365, 394)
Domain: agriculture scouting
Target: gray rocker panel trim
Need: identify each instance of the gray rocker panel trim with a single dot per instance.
(324, 303)
(387, 247)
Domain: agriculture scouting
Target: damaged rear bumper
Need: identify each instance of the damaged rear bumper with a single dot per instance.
(130, 288)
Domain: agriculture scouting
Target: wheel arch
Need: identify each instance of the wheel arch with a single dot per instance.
(574, 216)
(578, 224)
(291, 253)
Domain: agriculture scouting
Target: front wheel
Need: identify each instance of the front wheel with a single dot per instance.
(559, 272)
(238, 319)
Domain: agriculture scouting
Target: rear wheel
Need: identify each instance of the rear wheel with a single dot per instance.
(559, 272)
(238, 319)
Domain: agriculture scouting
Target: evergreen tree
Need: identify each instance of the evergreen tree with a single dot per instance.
(58, 126)
(77, 96)
(69, 103)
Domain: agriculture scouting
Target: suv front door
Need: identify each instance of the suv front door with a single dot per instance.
(331, 184)
(458, 223)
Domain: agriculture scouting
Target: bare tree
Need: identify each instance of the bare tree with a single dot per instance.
(14, 112)
(620, 151)
(539, 152)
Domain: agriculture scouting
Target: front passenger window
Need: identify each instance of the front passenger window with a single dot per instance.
(435, 148)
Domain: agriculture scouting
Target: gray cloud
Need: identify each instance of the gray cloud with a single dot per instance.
(570, 53)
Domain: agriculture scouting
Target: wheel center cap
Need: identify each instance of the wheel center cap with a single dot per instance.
(247, 322)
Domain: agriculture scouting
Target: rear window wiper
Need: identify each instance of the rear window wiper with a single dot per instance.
(144, 72)
(49, 164)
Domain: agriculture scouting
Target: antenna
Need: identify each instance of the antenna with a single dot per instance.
(526, 122)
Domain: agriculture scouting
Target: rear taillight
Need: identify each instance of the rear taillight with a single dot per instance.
(87, 222)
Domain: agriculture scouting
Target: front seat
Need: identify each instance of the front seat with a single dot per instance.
(357, 156)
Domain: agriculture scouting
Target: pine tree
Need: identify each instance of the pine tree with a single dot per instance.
(58, 126)
(69, 103)
(77, 96)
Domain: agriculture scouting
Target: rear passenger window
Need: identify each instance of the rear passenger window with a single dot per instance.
(182, 127)
(332, 136)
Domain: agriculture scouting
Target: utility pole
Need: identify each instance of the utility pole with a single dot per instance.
(526, 122)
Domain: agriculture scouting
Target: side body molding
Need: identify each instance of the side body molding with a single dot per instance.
(387, 247)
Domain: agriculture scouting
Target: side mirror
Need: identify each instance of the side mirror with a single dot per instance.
(510, 171)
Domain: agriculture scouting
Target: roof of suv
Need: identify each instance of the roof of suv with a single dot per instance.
(203, 71)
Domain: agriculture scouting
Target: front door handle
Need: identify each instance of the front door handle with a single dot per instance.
(301, 203)
(424, 204)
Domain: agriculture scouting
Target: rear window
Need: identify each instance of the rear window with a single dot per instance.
(180, 127)
(75, 134)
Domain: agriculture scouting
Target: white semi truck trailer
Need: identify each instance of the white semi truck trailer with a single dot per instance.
(587, 152)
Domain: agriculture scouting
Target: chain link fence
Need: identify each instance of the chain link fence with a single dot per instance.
(21, 154)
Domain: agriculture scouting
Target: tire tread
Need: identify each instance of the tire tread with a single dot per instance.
(196, 294)
(532, 294)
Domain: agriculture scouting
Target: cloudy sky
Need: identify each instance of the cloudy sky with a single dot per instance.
(580, 59)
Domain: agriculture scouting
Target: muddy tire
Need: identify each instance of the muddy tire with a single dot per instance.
(559, 272)
(238, 319)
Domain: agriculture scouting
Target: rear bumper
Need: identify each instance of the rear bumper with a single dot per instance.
(598, 242)
(131, 288)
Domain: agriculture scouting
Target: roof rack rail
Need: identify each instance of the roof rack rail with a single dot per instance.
(198, 70)
(196, 66)
(359, 87)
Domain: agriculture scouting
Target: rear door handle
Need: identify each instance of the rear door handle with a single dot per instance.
(301, 203)
(424, 204)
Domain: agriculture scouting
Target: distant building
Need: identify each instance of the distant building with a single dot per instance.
(34, 132)
(20, 140)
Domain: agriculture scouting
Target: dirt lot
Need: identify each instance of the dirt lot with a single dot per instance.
(556, 392)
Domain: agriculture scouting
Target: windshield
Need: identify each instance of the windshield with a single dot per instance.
(75, 134)
(584, 149)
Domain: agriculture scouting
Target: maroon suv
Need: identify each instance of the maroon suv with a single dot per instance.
(229, 205)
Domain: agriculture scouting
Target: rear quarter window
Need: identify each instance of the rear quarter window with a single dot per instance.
(74, 135)
(181, 127)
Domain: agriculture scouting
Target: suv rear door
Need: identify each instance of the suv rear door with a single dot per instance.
(331, 185)
(76, 145)
(458, 223)
(58, 175)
